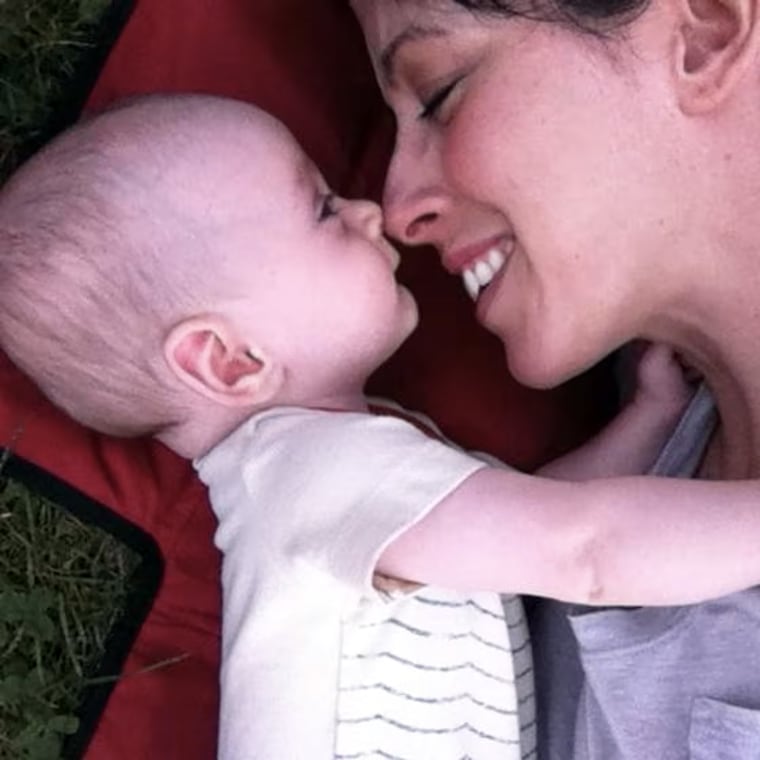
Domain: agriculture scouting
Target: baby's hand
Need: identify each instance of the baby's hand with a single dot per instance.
(663, 380)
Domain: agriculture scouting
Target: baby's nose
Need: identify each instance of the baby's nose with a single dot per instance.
(365, 216)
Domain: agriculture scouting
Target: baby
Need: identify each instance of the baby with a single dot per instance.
(177, 267)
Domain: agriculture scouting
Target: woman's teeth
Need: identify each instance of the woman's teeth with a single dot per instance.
(478, 275)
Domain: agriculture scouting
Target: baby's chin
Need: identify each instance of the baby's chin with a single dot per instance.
(411, 313)
(406, 328)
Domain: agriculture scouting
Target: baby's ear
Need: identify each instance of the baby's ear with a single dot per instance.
(206, 354)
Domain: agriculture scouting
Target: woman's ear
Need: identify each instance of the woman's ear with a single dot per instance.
(716, 44)
(207, 356)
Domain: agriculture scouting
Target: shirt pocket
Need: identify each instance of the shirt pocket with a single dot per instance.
(722, 731)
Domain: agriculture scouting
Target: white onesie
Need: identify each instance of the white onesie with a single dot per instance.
(317, 661)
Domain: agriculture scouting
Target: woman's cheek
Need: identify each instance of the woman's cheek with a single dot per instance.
(466, 149)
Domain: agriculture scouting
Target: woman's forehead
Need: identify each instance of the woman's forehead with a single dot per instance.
(381, 19)
(390, 25)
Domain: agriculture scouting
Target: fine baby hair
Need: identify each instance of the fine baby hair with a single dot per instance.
(106, 241)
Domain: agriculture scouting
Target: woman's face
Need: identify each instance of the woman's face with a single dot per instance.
(540, 158)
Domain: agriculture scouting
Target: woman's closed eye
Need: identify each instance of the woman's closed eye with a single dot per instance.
(432, 106)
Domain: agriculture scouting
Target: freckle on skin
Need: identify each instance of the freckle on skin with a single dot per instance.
(728, 157)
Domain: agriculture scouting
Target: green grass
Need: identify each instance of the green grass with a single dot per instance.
(62, 583)
(41, 44)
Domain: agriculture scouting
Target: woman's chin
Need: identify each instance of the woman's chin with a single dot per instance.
(541, 369)
(533, 378)
(546, 352)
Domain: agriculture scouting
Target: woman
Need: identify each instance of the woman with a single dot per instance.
(592, 171)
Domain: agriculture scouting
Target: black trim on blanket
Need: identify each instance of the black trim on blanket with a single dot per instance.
(143, 586)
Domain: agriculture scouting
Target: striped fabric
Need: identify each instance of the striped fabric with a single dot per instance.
(436, 675)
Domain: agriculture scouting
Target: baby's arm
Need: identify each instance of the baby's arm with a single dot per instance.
(630, 443)
(628, 541)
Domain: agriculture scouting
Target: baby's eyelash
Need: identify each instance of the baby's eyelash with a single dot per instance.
(433, 104)
(327, 209)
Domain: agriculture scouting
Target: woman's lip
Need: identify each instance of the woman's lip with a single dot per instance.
(456, 261)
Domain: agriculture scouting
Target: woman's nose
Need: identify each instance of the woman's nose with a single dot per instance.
(414, 201)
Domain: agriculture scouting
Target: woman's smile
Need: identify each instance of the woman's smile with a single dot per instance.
(482, 271)
(477, 264)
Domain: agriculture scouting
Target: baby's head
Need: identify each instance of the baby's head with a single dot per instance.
(176, 263)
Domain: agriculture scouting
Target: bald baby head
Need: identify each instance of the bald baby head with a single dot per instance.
(108, 236)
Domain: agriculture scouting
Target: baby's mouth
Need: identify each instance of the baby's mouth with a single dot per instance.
(390, 253)
(479, 273)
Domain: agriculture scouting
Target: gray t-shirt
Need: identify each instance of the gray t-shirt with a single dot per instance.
(652, 683)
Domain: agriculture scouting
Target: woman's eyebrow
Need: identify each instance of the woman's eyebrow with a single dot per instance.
(413, 33)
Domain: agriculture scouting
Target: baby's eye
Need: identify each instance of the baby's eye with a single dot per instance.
(327, 209)
(432, 106)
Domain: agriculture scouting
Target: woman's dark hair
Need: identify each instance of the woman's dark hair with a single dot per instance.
(595, 16)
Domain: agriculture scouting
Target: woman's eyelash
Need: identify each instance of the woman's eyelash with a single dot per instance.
(431, 106)
(327, 209)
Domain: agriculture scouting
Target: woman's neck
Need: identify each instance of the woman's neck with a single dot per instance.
(731, 368)
(730, 456)
(715, 319)
(716, 327)
(734, 451)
